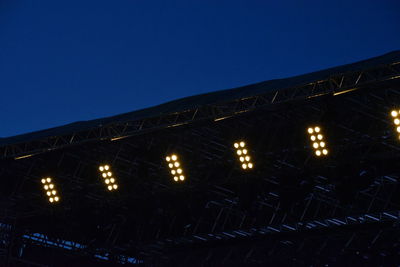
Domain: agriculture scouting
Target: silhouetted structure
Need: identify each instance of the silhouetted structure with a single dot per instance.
(291, 209)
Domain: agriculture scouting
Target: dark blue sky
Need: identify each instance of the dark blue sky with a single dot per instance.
(65, 61)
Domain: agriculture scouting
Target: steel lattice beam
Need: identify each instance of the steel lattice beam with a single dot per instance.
(335, 85)
(286, 228)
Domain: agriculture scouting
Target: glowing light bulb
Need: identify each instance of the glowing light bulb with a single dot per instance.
(115, 186)
(48, 180)
(317, 129)
(244, 166)
(313, 137)
(325, 152)
(101, 168)
(182, 177)
(242, 144)
(318, 153)
(394, 113)
(315, 145)
(106, 167)
(310, 130)
(109, 187)
(176, 178)
(168, 159)
(43, 181)
(250, 165)
(176, 164)
(174, 157)
(236, 145)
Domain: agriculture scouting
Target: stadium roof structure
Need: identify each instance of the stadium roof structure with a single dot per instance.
(292, 207)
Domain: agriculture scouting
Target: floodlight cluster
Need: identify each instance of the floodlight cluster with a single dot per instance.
(50, 190)
(317, 140)
(396, 120)
(243, 155)
(175, 168)
(315, 133)
(108, 177)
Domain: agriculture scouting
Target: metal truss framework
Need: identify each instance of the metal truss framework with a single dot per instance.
(335, 85)
(226, 209)
(213, 239)
(43, 241)
(337, 248)
(220, 218)
(330, 223)
(321, 196)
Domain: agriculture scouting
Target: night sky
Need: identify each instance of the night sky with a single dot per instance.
(66, 61)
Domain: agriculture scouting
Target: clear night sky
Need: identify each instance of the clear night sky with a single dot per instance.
(65, 61)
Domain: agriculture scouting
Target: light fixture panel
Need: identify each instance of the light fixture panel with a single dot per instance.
(396, 121)
(318, 142)
(243, 156)
(108, 177)
(50, 190)
(175, 168)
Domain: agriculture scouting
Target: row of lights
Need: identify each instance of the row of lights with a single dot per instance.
(317, 140)
(396, 120)
(50, 190)
(175, 167)
(243, 155)
(316, 137)
(177, 171)
(106, 175)
(108, 178)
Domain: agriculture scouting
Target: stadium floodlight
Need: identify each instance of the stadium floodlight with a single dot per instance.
(243, 155)
(108, 177)
(175, 168)
(317, 141)
(50, 190)
(396, 120)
